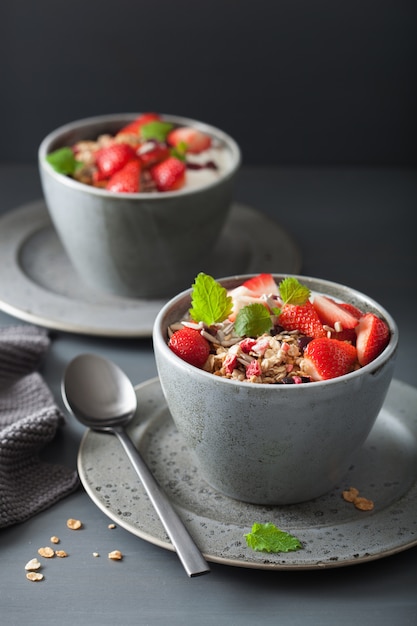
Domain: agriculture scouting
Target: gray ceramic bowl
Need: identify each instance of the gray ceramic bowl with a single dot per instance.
(273, 444)
(145, 245)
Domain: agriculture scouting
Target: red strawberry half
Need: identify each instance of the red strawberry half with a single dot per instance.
(169, 175)
(250, 291)
(152, 153)
(328, 358)
(195, 140)
(134, 127)
(372, 336)
(353, 310)
(126, 180)
(112, 158)
(261, 284)
(332, 314)
(302, 317)
(190, 346)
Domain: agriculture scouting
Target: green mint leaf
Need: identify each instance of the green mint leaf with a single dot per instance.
(269, 538)
(209, 301)
(179, 151)
(63, 161)
(155, 130)
(293, 292)
(253, 320)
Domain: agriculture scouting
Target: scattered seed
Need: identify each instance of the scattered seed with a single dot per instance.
(96, 554)
(46, 552)
(54, 539)
(74, 524)
(34, 576)
(116, 555)
(111, 526)
(33, 564)
(61, 553)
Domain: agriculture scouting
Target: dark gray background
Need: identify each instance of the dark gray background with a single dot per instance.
(299, 82)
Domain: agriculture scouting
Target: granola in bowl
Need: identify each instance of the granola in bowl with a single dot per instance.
(274, 334)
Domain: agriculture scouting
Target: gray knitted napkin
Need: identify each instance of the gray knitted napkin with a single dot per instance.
(29, 419)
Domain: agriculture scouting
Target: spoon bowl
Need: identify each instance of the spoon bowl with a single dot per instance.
(98, 392)
(100, 395)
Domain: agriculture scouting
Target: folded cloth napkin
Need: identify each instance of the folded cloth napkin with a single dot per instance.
(29, 419)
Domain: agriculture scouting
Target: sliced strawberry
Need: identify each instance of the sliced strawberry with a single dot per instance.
(251, 291)
(372, 337)
(190, 346)
(351, 308)
(328, 358)
(195, 140)
(126, 180)
(332, 314)
(169, 175)
(301, 317)
(261, 284)
(134, 127)
(112, 158)
(152, 153)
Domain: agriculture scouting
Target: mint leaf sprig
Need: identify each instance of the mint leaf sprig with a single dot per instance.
(156, 130)
(253, 320)
(293, 292)
(268, 538)
(210, 303)
(63, 161)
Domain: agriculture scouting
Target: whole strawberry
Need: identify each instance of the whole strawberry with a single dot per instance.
(190, 346)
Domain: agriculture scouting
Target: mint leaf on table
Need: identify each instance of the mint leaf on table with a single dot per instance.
(63, 161)
(209, 301)
(253, 320)
(155, 130)
(269, 538)
(293, 292)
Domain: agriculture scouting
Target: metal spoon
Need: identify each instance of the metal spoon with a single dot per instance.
(100, 395)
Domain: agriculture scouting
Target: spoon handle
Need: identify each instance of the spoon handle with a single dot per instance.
(188, 553)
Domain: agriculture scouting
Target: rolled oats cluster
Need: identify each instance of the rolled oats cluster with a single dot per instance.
(270, 359)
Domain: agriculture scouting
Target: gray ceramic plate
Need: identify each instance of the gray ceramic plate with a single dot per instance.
(332, 531)
(39, 285)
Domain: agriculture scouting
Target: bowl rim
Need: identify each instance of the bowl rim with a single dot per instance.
(124, 118)
(388, 353)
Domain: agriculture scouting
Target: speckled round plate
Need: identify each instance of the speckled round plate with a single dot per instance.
(39, 285)
(332, 531)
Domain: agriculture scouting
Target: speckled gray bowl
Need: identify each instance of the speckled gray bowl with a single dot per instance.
(141, 245)
(273, 444)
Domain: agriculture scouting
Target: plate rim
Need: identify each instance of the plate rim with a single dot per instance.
(34, 218)
(244, 563)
